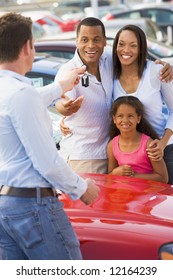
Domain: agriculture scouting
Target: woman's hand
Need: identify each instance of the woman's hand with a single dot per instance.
(166, 75)
(155, 150)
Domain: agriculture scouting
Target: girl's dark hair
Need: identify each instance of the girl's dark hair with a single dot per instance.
(142, 46)
(91, 21)
(143, 126)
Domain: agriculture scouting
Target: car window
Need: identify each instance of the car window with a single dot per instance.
(82, 4)
(150, 31)
(161, 16)
(135, 15)
(40, 79)
(132, 15)
(57, 53)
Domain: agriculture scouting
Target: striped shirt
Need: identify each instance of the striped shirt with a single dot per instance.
(90, 125)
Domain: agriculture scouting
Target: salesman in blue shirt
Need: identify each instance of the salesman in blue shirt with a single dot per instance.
(33, 224)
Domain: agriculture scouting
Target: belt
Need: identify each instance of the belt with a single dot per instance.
(26, 192)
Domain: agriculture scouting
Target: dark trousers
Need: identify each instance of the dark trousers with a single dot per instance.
(168, 157)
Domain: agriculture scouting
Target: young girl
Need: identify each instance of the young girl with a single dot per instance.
(131, 134)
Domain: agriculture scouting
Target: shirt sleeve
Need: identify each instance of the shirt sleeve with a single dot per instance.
(167, 94)
(166, 90)
(32, 124)
(67, 66)
(50, 93)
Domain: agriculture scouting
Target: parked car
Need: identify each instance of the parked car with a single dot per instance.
(64, 6)
(104, 10)
(40, 16)
(66, 48)
(44, 69)
(66, 26)
(38, 30)
(160, 13)
(43, 73)
(56, 48)
(160, 51)
(150, 28)
(130, 220)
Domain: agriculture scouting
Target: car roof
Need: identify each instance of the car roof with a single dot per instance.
(149, 27)
(48, 64)
(54, 42)
(167, 6)
(119, 22)
(70, 35)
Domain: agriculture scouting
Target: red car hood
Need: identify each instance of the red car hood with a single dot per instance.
(129, 213)
(124, 195)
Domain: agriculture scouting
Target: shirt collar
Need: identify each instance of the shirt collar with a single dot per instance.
(16, 76)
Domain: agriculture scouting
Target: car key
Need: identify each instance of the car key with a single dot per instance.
(85, 80)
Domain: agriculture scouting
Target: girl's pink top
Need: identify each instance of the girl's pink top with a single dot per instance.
(138, 159)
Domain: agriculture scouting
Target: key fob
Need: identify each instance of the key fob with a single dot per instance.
(85, 80)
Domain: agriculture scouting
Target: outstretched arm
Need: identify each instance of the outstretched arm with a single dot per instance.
(63, 83)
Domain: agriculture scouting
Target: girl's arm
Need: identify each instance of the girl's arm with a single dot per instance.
(159, 170)
(112, 162)
(113, 167)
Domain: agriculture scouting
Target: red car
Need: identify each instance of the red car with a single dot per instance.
(66, 26)
(131, 220)
(45, 17)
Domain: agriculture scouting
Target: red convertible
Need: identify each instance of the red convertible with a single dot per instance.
(131, 220)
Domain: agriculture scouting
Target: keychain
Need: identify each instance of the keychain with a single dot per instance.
(85, 80)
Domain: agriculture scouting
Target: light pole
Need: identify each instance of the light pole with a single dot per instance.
(94, 5)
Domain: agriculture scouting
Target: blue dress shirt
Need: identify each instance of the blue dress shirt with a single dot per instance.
(28, 155)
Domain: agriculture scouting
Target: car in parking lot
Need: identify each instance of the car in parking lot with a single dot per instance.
(150, 28)
(160, 13)
(44, 69)
(43, 73)
(58, 48)
(103, 10)
(130, 220)
(63, 6)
